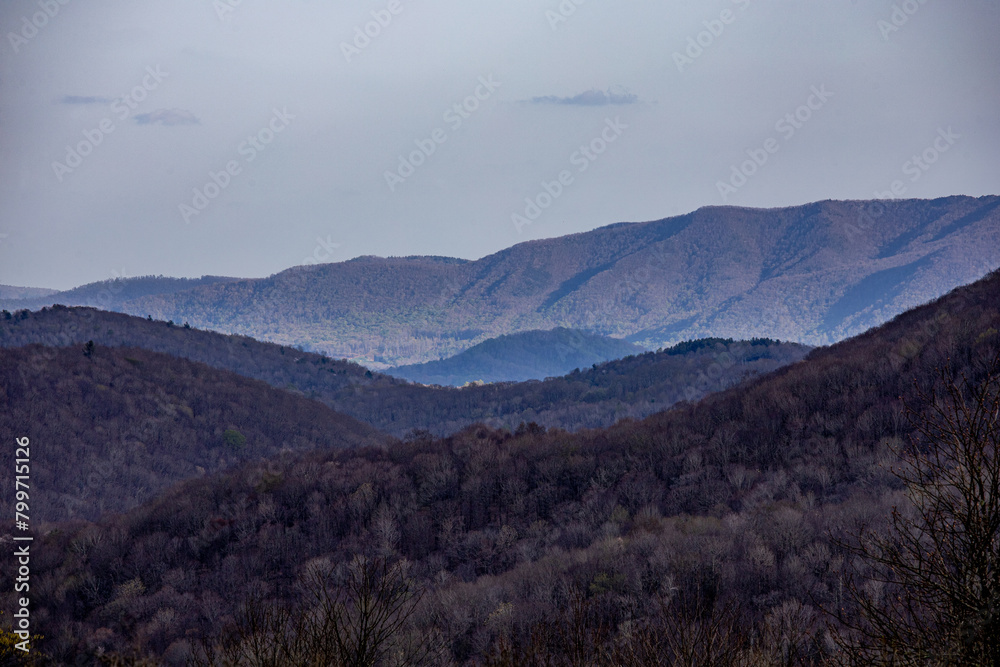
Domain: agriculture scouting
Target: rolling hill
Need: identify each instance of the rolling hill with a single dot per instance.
(632, 387)
(24, 294)
(112, 428)
(814, 274)
(531, 355)
(106, 294)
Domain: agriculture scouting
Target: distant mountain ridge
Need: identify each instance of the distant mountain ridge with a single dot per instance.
(529, 355)
(12, 292)
(110, 294)
(815, 274)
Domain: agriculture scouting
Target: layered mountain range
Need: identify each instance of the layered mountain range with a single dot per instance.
(814, 274)
(731, 513)
(635, 386)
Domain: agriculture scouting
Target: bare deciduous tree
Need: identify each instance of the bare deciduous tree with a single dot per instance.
(931, 592)
(352, 616)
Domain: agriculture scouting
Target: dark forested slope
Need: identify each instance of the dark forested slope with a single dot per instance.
(112, 427)
(633, 387)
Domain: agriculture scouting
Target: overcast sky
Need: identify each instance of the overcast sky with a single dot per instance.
(113, 113)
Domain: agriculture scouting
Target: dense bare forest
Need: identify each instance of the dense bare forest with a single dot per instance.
(723, 532)
(122, 424)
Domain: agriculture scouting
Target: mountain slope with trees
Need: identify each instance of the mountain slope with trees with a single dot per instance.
(718, 531)
(112, 427)
(110, 294)
(813, 274)
(632, 387)
(531, 355)
(10, 292)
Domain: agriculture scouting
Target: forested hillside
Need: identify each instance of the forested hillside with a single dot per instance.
(9, 292)
(715, 531)
(813, 274)
(532, 355)
(112, 427)
(110, 294)
(633, 387)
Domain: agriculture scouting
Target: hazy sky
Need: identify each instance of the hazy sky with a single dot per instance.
(113, 113)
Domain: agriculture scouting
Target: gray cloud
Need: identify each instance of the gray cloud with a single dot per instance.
(167, 117)
(590, 98)
(84, 99)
